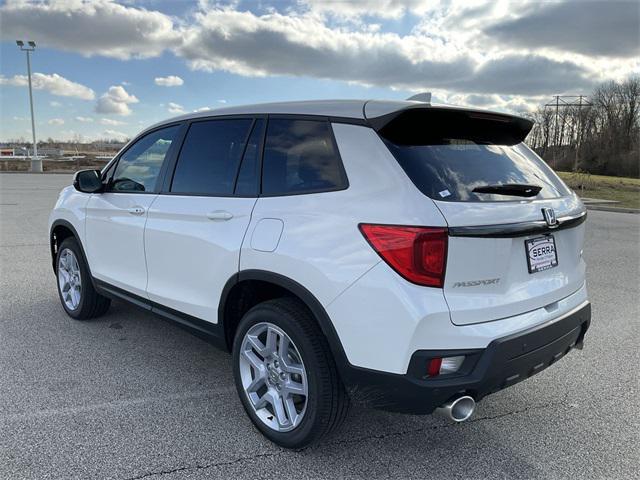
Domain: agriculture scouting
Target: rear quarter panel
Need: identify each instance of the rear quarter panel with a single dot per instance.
(320, 246)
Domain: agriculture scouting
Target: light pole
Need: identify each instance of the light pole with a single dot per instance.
(36, 163)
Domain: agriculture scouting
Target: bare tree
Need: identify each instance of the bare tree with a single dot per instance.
(602, 138)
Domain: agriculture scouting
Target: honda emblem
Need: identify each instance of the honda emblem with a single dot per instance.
(550, 216)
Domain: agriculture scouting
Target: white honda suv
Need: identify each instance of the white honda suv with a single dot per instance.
(399, 255)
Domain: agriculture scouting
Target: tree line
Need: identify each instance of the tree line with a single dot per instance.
(598, 134)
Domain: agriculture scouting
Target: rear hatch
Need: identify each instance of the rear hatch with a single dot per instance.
(506, 256)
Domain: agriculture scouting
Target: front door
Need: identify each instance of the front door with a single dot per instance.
(116, 219)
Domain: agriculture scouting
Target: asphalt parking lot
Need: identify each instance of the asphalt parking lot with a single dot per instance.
(129, 396)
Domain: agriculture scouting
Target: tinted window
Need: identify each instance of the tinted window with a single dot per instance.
(139, 167)
(300, 156)
(210, 156)
(247, 183)
(452, 169)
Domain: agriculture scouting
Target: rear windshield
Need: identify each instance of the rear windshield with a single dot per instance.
(451, 169)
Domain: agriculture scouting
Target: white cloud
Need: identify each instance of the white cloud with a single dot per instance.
(567, 26)
(201, 109)
(84, 119)
(457, 47)
(116, 135)
(111, 122)
(175, 108)
(170, 81)
(376, 8)
(55, 104)
(304, 45)
(222, 101)
(56, 121)
(116, 101)
(54, 84)
(100, 27)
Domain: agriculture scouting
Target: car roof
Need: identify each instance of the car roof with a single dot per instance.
(329, 108)
(359, 110)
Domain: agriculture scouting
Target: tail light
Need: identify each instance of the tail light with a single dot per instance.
(419, 254)
(444, 365)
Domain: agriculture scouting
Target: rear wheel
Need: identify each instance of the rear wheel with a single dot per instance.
(77, 295)
(285, 375)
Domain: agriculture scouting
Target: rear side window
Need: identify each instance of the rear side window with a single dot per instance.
(210, 157)
(300, 157)
(453, 168)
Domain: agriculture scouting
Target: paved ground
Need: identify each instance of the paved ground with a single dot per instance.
(130, 396)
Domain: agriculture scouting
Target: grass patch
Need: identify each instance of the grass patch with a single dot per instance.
(621, 189)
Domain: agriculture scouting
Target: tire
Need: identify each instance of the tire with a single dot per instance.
(326, 403)
(83, 302)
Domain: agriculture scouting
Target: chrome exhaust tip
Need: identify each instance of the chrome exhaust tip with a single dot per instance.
(459, 409)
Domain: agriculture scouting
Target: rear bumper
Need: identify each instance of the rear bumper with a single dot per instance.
(505, 362)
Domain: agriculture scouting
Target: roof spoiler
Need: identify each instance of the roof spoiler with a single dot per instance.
(431, 125)
(424, 97)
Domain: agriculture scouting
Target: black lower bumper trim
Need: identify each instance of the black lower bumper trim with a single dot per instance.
(505, 362)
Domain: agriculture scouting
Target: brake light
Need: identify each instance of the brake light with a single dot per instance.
(418, 254)
(433, 367)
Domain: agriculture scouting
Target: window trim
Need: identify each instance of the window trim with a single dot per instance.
(111, 167)
(317, 118)
(171, 169)
(167, 171)
(258, 167)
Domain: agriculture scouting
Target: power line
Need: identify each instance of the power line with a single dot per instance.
(566, 101)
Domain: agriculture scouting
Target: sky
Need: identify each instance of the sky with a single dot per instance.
(106, 69)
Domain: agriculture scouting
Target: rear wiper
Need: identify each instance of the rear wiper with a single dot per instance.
(515, 189)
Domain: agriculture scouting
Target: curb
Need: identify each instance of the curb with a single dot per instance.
(605, 208)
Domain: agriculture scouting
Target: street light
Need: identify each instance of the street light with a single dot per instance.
(36, 163)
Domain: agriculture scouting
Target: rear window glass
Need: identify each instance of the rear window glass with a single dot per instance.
(453, 168)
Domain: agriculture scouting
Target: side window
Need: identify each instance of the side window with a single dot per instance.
(247, 182)
(300, 156)
(107, 171)
(210, 157)
(138, 168)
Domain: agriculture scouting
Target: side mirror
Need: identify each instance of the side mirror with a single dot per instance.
(88, 181)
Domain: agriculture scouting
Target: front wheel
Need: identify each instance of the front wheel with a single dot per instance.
(77, 295)
(285, 374)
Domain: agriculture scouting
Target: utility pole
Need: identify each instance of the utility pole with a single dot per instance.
(36, 162)
(565, 101)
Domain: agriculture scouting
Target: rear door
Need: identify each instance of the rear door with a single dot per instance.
(503, 258)
(196, 226)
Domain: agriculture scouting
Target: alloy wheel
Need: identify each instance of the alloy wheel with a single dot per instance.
(69, 279)
(273, 377)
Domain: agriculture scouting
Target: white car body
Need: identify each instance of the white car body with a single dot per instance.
(180, 251)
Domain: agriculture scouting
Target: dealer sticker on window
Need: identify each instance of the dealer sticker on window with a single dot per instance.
(541, 253)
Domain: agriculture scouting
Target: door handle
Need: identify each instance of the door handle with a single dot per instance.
(219, 215)
(137, 210)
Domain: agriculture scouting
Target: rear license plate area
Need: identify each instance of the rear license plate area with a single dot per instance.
(541, 253)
